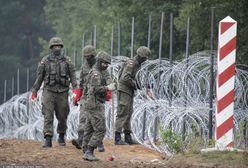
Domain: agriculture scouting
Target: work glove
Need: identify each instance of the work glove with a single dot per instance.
(112, 86)
(108, 95)
(34, 96)
(77, 93)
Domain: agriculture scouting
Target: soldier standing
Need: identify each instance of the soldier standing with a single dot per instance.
(95, 127)
(57, 72)
(125, 93)
(89, 53)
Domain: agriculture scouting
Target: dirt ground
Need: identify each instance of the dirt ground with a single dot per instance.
(30, 154)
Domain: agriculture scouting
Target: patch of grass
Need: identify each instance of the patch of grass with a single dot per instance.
(173, 140)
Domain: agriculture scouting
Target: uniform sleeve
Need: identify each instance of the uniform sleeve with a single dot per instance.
(40, 76)
(81, 78)
(107, 77)
(128, 76)
(72, 73)
(95, 84)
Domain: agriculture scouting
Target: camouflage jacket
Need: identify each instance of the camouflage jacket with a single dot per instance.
(96, 89)
(57, 73)
(126, 81)
(85, 69)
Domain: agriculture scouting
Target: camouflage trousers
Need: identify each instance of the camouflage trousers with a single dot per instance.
(124, 112)
(95, 127)
(82, 116)
(55, 103)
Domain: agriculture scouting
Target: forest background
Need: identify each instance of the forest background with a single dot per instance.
(27, 25)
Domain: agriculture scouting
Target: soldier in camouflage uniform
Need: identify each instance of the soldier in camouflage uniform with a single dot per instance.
(89, 53)
(96, 91)
(126, 88)
(57, 72)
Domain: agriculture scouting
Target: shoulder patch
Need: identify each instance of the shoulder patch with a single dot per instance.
(130, 64)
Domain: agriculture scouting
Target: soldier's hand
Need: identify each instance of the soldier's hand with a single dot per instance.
(108, 95)
(34, 96)
(77, 93)
(112, 86)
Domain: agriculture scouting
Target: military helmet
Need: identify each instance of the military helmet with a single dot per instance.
(143, 51)
(55, 41)
(104, 56)
(89, 50)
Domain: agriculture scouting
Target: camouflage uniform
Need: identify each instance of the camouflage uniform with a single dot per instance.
(57, 72)
(86, 67)
(85, 71)
(95, 127)
(125, 94)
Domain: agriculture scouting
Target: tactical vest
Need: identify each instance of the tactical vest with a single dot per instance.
(57, 72)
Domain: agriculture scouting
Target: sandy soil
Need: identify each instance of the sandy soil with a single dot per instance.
(29, 153)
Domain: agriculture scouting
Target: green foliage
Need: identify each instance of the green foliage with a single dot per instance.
(22, 23)
(200, 13)
(26, 26)
(173, 140)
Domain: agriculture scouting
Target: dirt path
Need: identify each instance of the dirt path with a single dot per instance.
(29, 152)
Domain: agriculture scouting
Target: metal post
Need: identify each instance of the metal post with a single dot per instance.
(83, 41)
(94, 36)
(18, 81)
(155, 129)
(144, 125)
(186, 80)
(171, 55)
(132, 38)
(245, 132)
(91, 38)
(74, 58)
(188, 38)
(13, 87)
(112, 42)
(161, 36)
(5, 91)
(112, 109)
(119, 38)
(65, 51)
(83, 45)
(149, 31)
(211, 75)
(27, 79)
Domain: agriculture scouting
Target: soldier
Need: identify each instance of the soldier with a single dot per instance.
(89, 53)
(96, 91)
(57, 72)
(126, 88)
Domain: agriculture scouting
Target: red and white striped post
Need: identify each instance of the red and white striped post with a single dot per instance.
(225, 83)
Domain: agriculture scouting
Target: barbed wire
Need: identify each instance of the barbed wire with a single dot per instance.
(179, 101)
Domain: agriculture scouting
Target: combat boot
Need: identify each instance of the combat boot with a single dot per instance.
(89, 154)
(78, 142)
(118, 140)
(101, 147)
(84, 148)
(128, 138)
(61, 139)
(48, 141)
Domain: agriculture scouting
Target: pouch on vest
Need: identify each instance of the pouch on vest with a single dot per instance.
(52, 74)
(63, 74)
